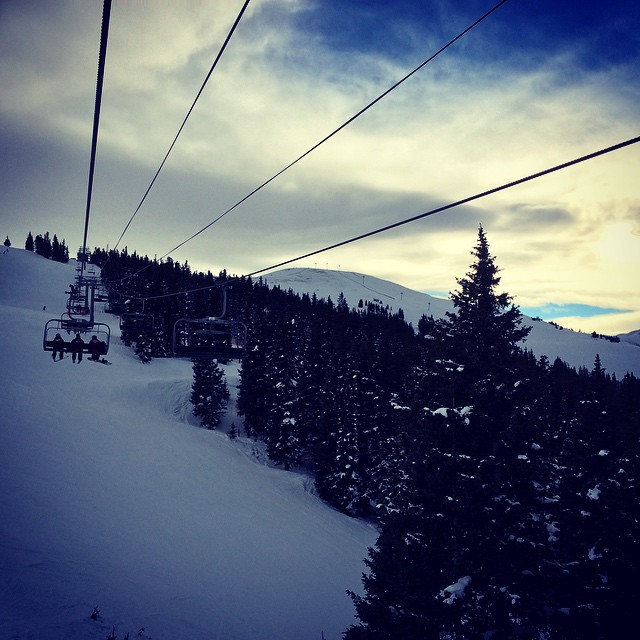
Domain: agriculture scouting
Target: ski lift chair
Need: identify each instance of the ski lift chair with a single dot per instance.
(71, 326)
(115, 308)
(137, 322)
(209, 338)
(101, 295)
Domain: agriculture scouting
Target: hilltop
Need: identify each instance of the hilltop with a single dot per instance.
(575, 348)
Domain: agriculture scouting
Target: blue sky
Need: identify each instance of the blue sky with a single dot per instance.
(536, 84)
(552, 311)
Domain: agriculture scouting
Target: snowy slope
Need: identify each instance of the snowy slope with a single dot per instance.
(633, 337)
(575, 348)
(110, 497)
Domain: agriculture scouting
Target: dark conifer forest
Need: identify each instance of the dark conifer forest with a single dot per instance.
(505, 487)
(45, 246)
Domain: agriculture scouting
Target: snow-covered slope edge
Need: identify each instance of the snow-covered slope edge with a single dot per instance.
(109, 498)
(633, 337)
(575, 348)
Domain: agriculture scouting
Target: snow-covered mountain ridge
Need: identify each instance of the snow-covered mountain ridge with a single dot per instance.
(633, 337)
(575, 348)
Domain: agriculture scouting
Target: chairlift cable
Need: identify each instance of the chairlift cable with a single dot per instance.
(336, 131)
(420, 216)
(184, 122)
(458, 203)
(218, 285)
(104, 33)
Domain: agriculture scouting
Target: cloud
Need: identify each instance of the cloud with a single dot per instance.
(607, 324)
(510, 99)
(553, 310)
(532, 215)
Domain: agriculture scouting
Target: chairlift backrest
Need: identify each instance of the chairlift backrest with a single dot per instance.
(209, 338)
(101, 295)
(68, 328)
(116, 308)
(139, 322)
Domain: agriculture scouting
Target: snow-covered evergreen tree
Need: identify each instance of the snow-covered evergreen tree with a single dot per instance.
(209, 392)
(254, 399)
(283, 440)
(448, 561)
(143, 348)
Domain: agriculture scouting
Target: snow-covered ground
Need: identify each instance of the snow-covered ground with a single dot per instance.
(111, 498)
(577, 349)
(632, 336)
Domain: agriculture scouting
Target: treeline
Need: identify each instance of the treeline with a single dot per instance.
(505, 487)
(45, 246)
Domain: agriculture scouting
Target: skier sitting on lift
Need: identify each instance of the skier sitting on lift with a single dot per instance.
(58, 346)
(77, 345)
(95, 348)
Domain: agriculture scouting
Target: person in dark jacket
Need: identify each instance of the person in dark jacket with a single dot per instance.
(58, 346)
(95, 348)
(77, 345)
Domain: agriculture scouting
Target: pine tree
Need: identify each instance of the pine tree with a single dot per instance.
(283, 435)
(282, 432)
(209, 392)
(59, 250)
(143, 348)
(255, 392)
(29, 245)
(43, 245)
(56, 251)
(486, 325)
(452, 555)
(7, 242)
